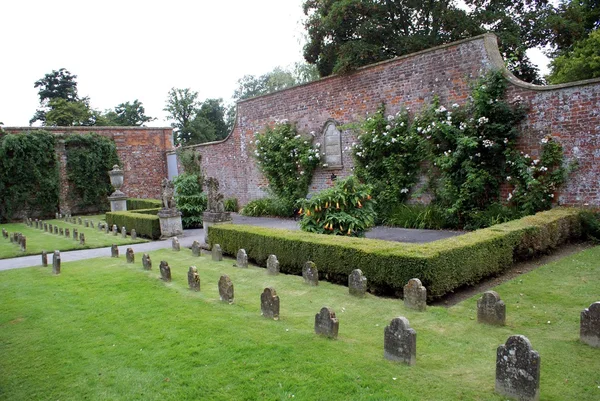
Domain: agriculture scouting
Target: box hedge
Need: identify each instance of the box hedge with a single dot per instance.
(137, 203)
(145, 222)
(442, 266)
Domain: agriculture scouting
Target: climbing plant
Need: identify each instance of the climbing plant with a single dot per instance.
(89, 159)
(28, 175)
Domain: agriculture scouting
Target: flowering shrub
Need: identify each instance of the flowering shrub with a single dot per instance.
(344, 209)
(287, 160)
(388, 155)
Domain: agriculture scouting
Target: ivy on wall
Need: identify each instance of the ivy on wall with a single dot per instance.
(89, 159)
(28, 175)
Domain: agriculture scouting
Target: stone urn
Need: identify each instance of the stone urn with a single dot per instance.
(118, 200)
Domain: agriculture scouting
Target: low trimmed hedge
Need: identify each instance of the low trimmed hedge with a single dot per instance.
(442, 265)
(137, 203)
(145, 224)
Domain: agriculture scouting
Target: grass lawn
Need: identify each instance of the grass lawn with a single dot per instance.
(39, 240)
(107, 330)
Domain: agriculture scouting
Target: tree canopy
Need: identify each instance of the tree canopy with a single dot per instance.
(277, 79)
(125, 115)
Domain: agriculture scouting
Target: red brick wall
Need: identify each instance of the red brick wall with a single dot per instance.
(142, 152)
(569, 112)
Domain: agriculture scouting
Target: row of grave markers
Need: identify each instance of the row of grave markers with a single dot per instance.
(16, 238)
(40, 224)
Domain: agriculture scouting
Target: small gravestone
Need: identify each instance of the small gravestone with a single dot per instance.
(146, 262)
(193, 279)
(400, 342)
(46, 227)
(310, 273)
(269, 303)
(106, 228)
(226, 289)
(82, 239)
(44, 258)
(100, 226)
(272, 265)
(175, 244)
(491, 309)
(92, 224)
(415, 295)
(133, 234)
(37, 224)
(56, 216)
(114, 251)
(75, 234)
(357, 283)
(129, 255)
(123, 232)
(242, 258)
(326, 324)
(23, 243)
(86, 223)
(165, 271)
(56, 262)
(67, 233)
(61, 231)
(115, 230)
(50, 228)
(589, 325)
(55, 229)
(217, 253)
(79, 220)
(4, 233)
(518, 370)
(195, 248)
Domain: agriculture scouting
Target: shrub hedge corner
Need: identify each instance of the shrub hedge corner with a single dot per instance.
(138, 203)
(145, 224)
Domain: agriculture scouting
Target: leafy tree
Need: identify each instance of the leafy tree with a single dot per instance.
(213, 111)
(66, 113)
(59, 84)
(181, 107)
(581, 63)
(572, 22)
(125, 115)
(277, 79)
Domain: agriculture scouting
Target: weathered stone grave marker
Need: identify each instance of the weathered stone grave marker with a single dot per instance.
(50, 228)
(4, 233)
(415, 295)
(518, 370)
(491, 309)
(115, 230)
(107, 228)
(272, 265)
(86, 223)
(56, 216)
(133, 234)
(357, 283)
(129, 255)
(400, 342)
(79, 221)
(146, 262)
(242, 258)
(326, 324)
(269, 303)
(44, 258)
(195, 248)
(123, 232)
(56, 262)
(23, 243)
(310, 273)
(114, 251)
(67, 233)
(75, 234)
(61, 231)
(81, 239)
(193, 279)
(175, 244)
(226, 289)
(589, 325)
(165, 271)
(56, 230)
(217, 253)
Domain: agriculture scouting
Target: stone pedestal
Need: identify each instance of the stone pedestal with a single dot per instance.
(212, 219)
(170, 223)
(118, 202)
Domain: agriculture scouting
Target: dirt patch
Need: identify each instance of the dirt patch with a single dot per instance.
(515, 270)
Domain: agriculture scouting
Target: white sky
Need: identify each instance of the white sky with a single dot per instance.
(130, 49)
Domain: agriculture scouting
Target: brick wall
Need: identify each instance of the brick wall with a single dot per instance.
(142, 152)
(569, 112)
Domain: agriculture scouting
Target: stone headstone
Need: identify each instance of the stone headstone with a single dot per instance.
(589, 325)
(491, 309)
(326, 324)
(60, 216)
(55, 229)
(100, 226)
(106, 228)
(115, 230)
(195, 248)
(133, 234)
(400, 342)
(146, 262)
(56, 262)
(217, 253)
(37, 224)
(61, 231)
(242, 258)
(92, 224)
(193, 279)
(310, 273)
(44, 258)
(82, 239)
(269, 303)
(75, 234)
(56, 216)
(518, 370)
(415, 295)
(4, 233)
(50, 228)
(165, 271)
(67, 233)
(23, 243)
(79, 221)
(357, 283)
(272, 265)
(226, 289)
(129, 255)
(175, 244)
(86, 223)
(45, 227)
(123, 232)
(114, 251)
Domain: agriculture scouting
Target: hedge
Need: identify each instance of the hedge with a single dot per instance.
(137, 203)
(442, 265)
(146, 225)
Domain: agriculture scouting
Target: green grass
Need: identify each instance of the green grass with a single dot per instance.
(39, 240)
(107, 330)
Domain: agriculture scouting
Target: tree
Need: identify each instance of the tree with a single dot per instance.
(277, 79)
(125, 115)
(65, 113)
(213, 110)
(572, 22)
(583, 62)
(59, 84)
(181, 107)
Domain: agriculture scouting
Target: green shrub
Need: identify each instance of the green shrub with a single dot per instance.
(417, 216)
(231, 205)
(267, 207)
(190, 200)
(145, 225)
(344, 209)
(151, 212)
(137, 203)
(442, 265)
(590, 225)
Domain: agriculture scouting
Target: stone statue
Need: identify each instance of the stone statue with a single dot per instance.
(215, 199)
(168, 191)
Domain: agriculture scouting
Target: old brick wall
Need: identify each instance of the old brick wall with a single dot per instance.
(569, 112)
(142, 152)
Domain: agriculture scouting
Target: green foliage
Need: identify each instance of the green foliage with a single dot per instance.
(231, 205)
(89, 159)
(287, 160)
(213, 111)
(66, 113)
(417, 216)
(190, 160)
(344, 209)
(590, 225)
(125, 115)
(145, 225)
(388, 156)
(583, 62)
(268, 207)
(442, 265)
(28, 175)
(137, 203)
(190, 200)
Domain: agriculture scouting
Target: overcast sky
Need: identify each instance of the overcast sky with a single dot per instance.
(129, 49)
